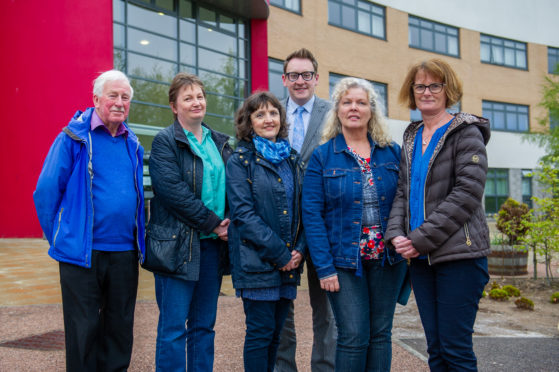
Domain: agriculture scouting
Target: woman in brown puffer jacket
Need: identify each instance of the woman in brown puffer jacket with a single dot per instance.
(437, 219)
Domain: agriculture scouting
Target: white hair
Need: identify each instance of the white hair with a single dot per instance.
(111, 75)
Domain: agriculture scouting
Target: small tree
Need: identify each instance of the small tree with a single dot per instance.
(543, 229)
(511, 220)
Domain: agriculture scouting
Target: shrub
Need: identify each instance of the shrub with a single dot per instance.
(511, 220)
(498, 295)
(524, 303)
(512, 290)
(554, 298)
(483, 294)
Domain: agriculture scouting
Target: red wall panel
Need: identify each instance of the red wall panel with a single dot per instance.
(259, 54)
(52, 50)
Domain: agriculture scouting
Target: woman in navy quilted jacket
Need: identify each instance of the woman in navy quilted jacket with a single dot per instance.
(265, 235)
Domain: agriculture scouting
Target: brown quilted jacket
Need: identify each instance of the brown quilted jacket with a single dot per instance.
(455, 226)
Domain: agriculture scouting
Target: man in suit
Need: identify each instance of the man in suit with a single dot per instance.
(305, 114)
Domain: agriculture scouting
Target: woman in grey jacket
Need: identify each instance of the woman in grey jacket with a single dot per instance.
(437, 219)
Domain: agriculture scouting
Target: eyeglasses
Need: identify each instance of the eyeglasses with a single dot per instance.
(293, 76)
(433, 88)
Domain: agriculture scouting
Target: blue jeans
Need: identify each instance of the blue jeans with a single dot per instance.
(447, 296)
(180, 301)
(364, 310)
(264, 320)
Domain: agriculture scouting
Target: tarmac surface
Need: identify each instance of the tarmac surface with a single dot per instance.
(32, 336)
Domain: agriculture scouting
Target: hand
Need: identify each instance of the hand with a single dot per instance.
(297, 258)
(404, 247)
(221, 229)
(293, 262)
(330, 284)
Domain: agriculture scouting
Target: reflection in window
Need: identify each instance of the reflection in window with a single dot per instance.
(380, 88)
(358, 15)
(275, 71)
(506, 116)
(155, 39)
(496, 189)
(505, 52)
(433, 36)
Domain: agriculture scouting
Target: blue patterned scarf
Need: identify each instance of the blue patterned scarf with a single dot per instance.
(274, 152)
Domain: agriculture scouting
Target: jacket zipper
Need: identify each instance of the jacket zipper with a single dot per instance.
(467, 232)
(137, 200)
(58, 228)
(194, 189)
(90, 171)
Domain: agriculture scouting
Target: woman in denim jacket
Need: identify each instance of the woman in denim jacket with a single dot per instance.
(265, 235)
(348, 189)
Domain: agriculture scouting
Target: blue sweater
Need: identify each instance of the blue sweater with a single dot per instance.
(114, 199)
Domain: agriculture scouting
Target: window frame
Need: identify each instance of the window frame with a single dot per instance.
(433, 33)
(239, 31)
(553, 55)
(285, 7)
(527, 176)
(357, 9)
(376, 85)
(494, 175)
(499, 42)
(272, 73)
(492, 111)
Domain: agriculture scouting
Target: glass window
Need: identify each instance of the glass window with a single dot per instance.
(380, 88)
(275, 71)
(504, 52)
(553, 60)
(527, 187)
(155, 39)
(506, 116)
(496, 189)
(292, 5)
(433, 36)
(358, 15)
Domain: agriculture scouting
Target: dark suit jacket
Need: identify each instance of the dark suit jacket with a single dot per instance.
(314, 131)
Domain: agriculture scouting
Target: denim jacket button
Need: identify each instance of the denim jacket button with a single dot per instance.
(288, 244)
(284, 212)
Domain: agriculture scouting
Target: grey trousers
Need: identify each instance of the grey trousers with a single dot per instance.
(323, 354)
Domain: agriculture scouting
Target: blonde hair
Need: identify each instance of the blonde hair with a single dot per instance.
(376, 126)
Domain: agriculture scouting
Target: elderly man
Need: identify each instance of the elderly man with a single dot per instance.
(90, 203)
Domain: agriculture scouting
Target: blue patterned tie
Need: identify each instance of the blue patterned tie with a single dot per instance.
(298, 129)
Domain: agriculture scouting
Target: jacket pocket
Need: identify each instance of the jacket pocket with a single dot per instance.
(250, 260)
(334, 182)
(163, 247)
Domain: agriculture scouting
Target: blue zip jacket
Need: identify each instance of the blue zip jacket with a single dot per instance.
(332, 203)
(63, 197)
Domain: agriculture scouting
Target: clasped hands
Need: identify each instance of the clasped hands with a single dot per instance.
(404, 247)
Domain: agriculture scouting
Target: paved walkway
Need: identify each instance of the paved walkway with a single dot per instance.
(31, 328)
